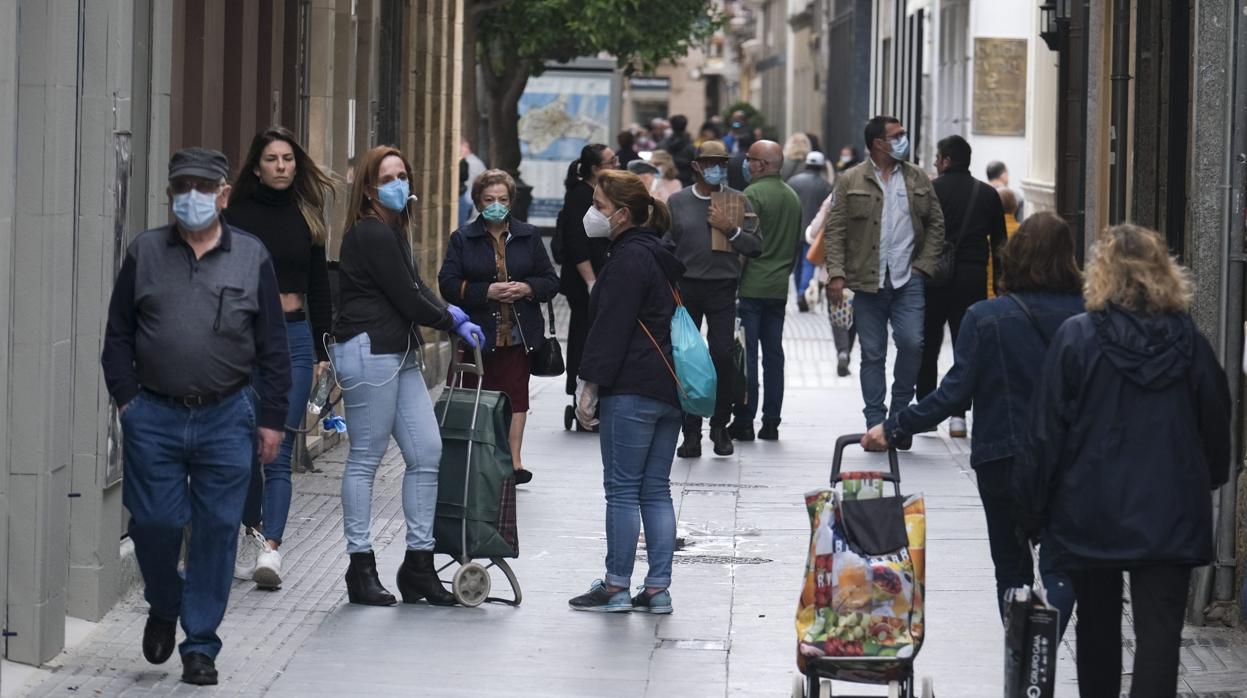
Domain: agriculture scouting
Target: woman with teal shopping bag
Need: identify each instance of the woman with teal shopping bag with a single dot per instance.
(630, 366)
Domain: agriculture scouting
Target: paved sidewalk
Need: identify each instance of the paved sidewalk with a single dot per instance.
(735, 588)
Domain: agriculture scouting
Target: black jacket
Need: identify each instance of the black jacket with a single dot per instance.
(381, 293)
(470, 267)
(1129, 433)
(682, 152)
(984, 231)
(571, 246)
(636, 284)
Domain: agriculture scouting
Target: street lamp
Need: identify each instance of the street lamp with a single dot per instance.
(1054, 18)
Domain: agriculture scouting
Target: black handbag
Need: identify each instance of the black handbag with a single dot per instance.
(548, 360)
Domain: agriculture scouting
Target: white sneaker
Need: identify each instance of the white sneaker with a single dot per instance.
(250, 545)
(957, 427)
(268, 568)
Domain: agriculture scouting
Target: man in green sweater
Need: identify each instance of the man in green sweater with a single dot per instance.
(764, 288)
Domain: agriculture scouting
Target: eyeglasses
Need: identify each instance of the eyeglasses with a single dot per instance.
(203, 186)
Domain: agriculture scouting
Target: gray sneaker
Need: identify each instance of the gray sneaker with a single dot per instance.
(659, 603)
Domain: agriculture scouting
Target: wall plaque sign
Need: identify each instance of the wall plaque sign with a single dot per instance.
(999, 87)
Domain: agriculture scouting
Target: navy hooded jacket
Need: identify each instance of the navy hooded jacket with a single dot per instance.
(636, 283)
(1129, 434)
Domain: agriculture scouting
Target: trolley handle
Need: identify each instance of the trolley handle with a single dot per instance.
(843, 442)
(458, 368)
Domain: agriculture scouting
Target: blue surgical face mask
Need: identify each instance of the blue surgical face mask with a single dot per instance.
(495, 212)
(745, 172)
(196, 211)
(900, 147)
(393, 195)
(714, 176)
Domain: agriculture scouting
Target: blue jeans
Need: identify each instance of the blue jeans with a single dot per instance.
(270, 486)
(638, 438)
(803, 270)
(385, 395)
(187, 466)
(763, 320)
(905, 309)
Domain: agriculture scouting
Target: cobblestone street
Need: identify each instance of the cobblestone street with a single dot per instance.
(735, 590)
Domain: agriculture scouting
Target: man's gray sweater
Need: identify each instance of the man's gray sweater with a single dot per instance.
(691, 233)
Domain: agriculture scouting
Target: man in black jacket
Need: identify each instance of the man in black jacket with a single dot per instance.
(974, 222)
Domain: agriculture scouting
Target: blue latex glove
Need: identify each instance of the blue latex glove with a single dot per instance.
(471, 333)
(457, 313)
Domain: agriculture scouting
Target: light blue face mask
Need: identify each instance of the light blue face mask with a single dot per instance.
(393, 195)
(900, 147)
(495, 212)
(196, 211)
(714, 176)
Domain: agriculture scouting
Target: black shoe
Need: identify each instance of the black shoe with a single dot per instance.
(417, 579)
(722, 441)
(159, 639)
(363, 586)
(769, 432)
(802, 306)
(740, 431)
(523, 477)
(198, 669)
(842, 364)
(691, 448)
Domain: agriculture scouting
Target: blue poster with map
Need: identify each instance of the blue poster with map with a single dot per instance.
(559, 115)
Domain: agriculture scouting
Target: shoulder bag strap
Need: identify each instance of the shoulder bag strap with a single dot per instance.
(550, 312)
(675, 294)
(1030, 316)
(965, 219)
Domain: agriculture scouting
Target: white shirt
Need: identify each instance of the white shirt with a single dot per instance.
(896, 229)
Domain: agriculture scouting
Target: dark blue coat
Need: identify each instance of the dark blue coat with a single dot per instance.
(1129, 434)
(470, 267)
(635, 284)
(996, 366)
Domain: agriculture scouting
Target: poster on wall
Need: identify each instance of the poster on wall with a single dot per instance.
(560, 113)
(999, 87)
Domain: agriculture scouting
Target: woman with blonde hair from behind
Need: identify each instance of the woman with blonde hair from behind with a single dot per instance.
(796, 148)
(1129, 434)
(627, 364)
(667, 181)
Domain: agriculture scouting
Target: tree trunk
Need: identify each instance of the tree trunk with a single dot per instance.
(504, 115)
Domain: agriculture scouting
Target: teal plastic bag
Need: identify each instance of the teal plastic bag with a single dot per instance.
(693, 367)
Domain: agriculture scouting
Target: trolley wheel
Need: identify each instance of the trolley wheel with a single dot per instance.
(824, 688)
(471, 585)
(928, 687)
(894, 689)
(569, 418)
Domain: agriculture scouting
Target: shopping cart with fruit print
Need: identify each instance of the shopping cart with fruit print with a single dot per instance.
(860, 617)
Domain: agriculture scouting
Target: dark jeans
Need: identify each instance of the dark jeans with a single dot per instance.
(715, 300)
(187, 466)
(763, 320)
(1158, 593)
(947, 305)
(268, 497)
(1014, 567)
(577, 333)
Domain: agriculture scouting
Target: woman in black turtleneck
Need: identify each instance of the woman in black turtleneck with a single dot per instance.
(279, 197)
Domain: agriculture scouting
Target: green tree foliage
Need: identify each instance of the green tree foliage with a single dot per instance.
(516, 39)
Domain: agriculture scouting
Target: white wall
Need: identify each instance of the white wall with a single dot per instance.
(1000, 19)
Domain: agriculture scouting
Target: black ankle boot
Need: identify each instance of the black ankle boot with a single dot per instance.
(417, 579)
(362, 584)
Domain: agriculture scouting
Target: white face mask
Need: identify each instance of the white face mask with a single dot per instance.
(597, 224)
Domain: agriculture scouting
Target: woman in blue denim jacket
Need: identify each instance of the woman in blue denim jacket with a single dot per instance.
(997, 358)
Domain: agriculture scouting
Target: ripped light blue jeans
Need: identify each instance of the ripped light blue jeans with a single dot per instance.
(385, 396)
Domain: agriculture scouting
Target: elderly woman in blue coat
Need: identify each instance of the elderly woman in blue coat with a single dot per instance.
(496, 269)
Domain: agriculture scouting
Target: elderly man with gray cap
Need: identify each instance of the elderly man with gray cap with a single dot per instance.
(195, 312)
(712, 229)
(812, 189)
